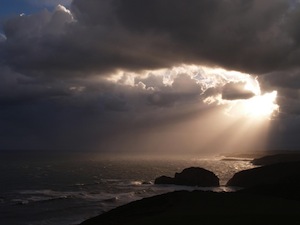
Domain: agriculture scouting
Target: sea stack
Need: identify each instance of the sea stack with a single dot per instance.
(193, 176)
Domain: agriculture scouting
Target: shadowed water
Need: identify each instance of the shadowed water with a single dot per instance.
(68, 188)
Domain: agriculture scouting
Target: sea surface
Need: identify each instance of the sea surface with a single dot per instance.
(66, 189)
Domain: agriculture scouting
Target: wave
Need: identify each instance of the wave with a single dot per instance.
(43, 196)
(135, 183)
(35, 199)
(39, 196)
(108, 191)
(85, 184)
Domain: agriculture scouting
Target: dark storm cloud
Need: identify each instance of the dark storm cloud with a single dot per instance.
(254, 36)
(53, 65)
(83, 114)
(282, 79)
(233, 91)
(17, 89)
(244, 35)
(287, 83)
(182, 89)
(235, 34)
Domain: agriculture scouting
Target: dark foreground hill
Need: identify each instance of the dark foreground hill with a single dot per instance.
(199, 207)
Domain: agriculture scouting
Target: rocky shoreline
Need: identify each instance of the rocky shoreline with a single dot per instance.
(269, 195)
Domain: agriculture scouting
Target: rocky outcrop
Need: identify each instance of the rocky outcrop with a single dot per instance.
(281, 173)
(193, 176)
(164, 180)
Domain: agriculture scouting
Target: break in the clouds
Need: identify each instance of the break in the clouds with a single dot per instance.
(96, 69)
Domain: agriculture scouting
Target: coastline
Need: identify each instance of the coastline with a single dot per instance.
(264, 203)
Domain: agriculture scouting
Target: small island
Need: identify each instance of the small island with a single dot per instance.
(193, 176)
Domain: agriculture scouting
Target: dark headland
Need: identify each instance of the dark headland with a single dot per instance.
(270, 195)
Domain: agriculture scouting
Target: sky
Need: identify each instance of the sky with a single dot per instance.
(162, 77)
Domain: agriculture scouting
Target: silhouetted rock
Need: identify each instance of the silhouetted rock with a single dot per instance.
(164, 180)
(275, 174)
(196, 176)
(193, 176)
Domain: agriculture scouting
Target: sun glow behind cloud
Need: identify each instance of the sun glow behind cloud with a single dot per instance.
(238, 122)
(261, 106)
(211, 83)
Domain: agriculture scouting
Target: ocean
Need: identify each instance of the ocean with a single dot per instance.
(66, 189)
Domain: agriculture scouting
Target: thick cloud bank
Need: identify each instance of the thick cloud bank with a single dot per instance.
(104, 68)
(98, 36)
